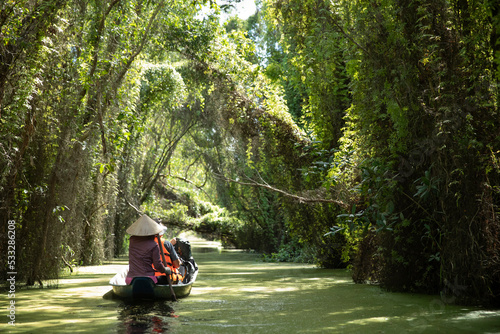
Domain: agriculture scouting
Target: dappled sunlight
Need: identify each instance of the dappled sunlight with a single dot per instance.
(480, 314)
(283, 297)
(240, 273)
(205, 290)
(107, 269)
(237, 293)
(348, 311)
(255, 289)
(76, 305)
(285, 289)
(79, 281)
(367, 321)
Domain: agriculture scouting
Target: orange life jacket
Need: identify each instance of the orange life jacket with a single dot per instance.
(176, 275)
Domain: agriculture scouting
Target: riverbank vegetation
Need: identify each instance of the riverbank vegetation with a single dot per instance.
(344, 133)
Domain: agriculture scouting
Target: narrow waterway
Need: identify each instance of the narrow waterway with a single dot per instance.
(236, 293)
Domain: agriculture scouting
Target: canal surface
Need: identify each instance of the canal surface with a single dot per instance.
(236, 293)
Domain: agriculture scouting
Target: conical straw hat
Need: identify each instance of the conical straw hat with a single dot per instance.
(144, 226)
(163, 228)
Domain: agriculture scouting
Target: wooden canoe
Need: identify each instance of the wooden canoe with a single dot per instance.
(145, 288)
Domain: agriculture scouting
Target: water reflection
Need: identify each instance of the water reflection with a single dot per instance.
(136, 317)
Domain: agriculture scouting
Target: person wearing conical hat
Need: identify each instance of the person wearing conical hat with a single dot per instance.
(143, 250)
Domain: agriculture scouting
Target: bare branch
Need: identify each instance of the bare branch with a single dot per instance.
(163, 161)
(133, 206)
(67, 264)
(188, 182)
(301, 199)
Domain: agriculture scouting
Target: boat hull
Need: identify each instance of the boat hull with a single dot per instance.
(145, 288)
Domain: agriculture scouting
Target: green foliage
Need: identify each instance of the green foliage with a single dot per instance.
(309, 52)
(388, 107)
(73, 123)
(219, 222)
(427, 186)
(173, 214)
(290, 251)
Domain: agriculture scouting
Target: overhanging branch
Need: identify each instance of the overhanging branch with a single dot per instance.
(199, 187)
(301, 199)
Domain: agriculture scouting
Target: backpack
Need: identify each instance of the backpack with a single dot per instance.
(183, 249)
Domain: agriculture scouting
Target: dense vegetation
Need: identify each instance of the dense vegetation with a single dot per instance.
(360, 133)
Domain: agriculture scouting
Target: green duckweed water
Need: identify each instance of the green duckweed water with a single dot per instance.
(235, 293)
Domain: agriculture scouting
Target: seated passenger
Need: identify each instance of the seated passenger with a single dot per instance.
(172, 259)
(143, 250)
(183, 249)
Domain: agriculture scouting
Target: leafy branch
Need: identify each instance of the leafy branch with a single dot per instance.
(301, 199)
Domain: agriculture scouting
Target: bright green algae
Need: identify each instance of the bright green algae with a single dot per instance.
(236, 293)
(76, 306)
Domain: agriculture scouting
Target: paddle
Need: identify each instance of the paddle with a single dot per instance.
(165, 263)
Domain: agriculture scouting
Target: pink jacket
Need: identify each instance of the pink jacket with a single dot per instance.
(143, 251)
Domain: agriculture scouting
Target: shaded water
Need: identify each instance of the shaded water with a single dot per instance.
(235, 293)
(144, 317)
